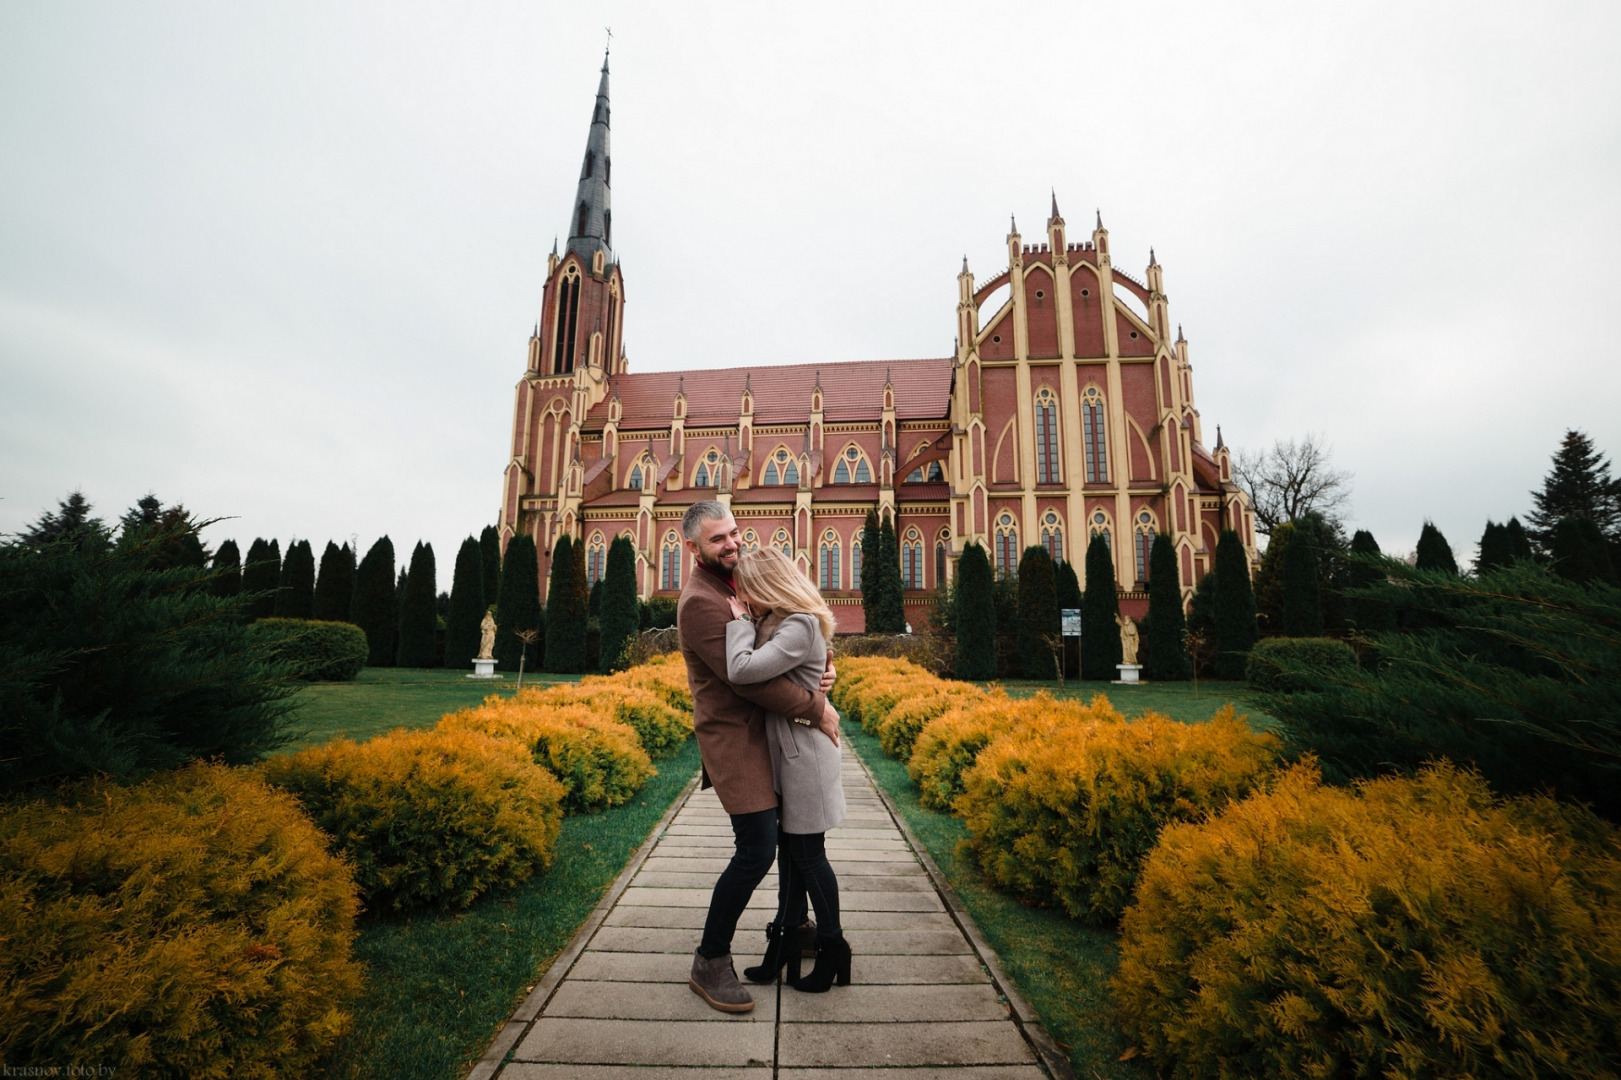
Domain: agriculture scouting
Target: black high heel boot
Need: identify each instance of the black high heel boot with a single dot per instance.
(783, 948)
(832, 964)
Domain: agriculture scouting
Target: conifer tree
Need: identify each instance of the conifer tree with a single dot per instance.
(418, 617)
(1302, 600)
(891, 594)
(1202, 624)
(1100, 614)
(227, 576)
(70, 521)
(1434, 553)
(467, 607)
(871, 601)
(1167, 626)
(620, 616)
(518, 608)
(1038, 614)
(373, 607)
(261, 574)
(1234, 607)
(1578, 552)
(335, 585)
(1578, 485)
(1369, 614)
(1519, 543)
(1069, 598)
(975, 616)
(565, 613)
(489, 546)
(1493, 553)
(295, 599)
(1268, 581)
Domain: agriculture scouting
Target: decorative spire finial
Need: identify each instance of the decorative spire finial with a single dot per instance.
(1179, 336)
(1013, 224)
(965, 264)
(818, 378)
(681, 386)
(1219, 444)
(747, 375)
(1100, 217)
(1055, 202)
(1151, 261)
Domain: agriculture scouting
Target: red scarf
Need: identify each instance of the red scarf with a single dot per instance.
(724, 577)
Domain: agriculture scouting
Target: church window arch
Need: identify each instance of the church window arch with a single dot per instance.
(940, 559)
(607, 170)
(829, 561)
(582, 218)
(930, 473)
(782, 543)
(590, 164)
(1047, 471)
(634, 480)
(1144, 538)
(780, 468)
(670, 562)
(596, 558)
(1094, 437)
(708, 471)
(566, 321)
(1052, 535)
(912, 559)
(607, 226)
(751, 540)
(1100, 527)
(855, 562)
(852, 467)
(1007, 545)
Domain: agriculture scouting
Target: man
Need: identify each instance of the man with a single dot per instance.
(730, 724)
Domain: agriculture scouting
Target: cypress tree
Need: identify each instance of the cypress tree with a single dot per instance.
(593, 605)
(1234, 607)
(1302, 600)
(891, 603)
(1100, 613)
(1268, 583)
(373, 607)
(227, 579)
(1579, 485)
(1202, 624)
(1519, 544)
(296, 598)
(261, 574)
(467, 606)
(335, 584)
(565, 613)
(1493, 553)
(489, 547)
(621, 615)
(519, 606)
(1369, 614)
(418, 614)
(1434, 553)
(1579, 553)
(1167, 627)
(1038, 614)
(975, 616)
(1069, 597)
(869, 584)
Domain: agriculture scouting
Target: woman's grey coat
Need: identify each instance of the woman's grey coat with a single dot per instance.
(804, 762)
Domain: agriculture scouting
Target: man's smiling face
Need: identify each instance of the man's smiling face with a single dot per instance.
(718, 543)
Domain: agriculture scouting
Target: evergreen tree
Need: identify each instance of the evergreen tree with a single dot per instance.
(295, 598)
(1302, 600)
(518, 607)
(1579, 553)
(1038, 614)
(227, 577)
(71, 521)
(620, 616)
(462, 625)
(335, 586)
(1579, 485)
(1493, 553)
(181, 546)
(1268, 584)
(373, 608)
(261, 575)
(1202, 624)
(1519, 543)
(1100, 614)
(1369, 614)
(975, 616)
(565, 612)
(1434, 553)
(489, 546)
(1167, 627)
(593, 605)
(891, 590)
(1069, 598)
(1234, 607)
(871, 601)
(418, 617)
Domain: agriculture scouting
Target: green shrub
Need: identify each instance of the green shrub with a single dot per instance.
(1404, 928)
(192, 925)
(315, 651)
(431, 818)
(1277, 664)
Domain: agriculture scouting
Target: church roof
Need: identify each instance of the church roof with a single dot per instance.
(851, 391)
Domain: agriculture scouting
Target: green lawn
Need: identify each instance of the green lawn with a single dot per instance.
(1179, 701)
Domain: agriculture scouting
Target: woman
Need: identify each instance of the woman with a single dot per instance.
(791, 636)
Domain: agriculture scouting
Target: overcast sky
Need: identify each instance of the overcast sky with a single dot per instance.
(280, 262)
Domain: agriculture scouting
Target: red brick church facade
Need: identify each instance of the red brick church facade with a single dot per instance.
(1067, 411)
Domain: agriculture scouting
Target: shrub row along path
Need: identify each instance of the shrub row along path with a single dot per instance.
(927, 999)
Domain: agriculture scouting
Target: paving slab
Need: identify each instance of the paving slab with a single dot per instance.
(982, 1042)
(648, 1042)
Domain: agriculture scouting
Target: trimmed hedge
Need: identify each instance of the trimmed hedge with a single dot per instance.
(192, 925)
(660, 727)
(431, 818)
(599, 760)
(948, 745)
(1404, 927)
(1273, 662)
(1064, 808)
(318, 651)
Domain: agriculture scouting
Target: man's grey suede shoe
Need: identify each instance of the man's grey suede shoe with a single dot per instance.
(716, 982)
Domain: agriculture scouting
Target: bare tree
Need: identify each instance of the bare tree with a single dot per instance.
(1291, 479)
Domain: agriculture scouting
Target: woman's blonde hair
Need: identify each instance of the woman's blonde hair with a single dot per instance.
(769, 578)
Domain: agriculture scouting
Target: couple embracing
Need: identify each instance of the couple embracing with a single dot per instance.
(754, 633)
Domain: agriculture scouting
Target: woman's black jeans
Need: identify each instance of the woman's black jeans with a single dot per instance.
(756, 838)
(803, 869)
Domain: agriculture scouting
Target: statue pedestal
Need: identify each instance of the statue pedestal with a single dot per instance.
(1128, 674)
(483, 669)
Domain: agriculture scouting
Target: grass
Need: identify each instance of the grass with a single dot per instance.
(439, 986)
(1060, 966)
(1178, 700)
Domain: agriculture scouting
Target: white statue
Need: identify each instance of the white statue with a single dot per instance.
(1128, 639)
(486, 640)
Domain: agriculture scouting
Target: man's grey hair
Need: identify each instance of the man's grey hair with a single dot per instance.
(692, 522)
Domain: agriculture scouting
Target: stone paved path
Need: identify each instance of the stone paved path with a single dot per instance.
(927, 998)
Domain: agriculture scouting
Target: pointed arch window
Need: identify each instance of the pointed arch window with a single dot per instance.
(1052, 535)
(780, 468)
(940, 560)
(852, 467)
(582, 219)
(607, 170)
(1100, 527)
(608, 227)
(751, 540)
(1145, 543)
(782, 543)
(590, 163)
(1047, 471)
(829, 561)
(912, 560)
(708, 474)
(1007, 546)
(596, 558)
(670, 562)
(930, 473)
(1094, 436)
(566, 322)
(855, 562)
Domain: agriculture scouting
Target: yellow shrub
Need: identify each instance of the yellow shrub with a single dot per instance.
(660, 726)
(191, 925)
(599, 760)
(901, 725)
(434, 818)
(1064, 808)
(1403, 928)
(666, 676)
(947, 745)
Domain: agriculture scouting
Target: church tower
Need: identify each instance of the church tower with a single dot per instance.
(575, 351)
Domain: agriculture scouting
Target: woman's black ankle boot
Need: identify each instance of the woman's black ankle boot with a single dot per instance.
(832, 964)
(782, 948)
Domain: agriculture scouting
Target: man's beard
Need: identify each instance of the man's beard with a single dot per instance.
(718, 566)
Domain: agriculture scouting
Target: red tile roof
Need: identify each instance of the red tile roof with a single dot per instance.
(852, 390)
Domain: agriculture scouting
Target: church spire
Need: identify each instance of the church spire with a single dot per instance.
(591, 224)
